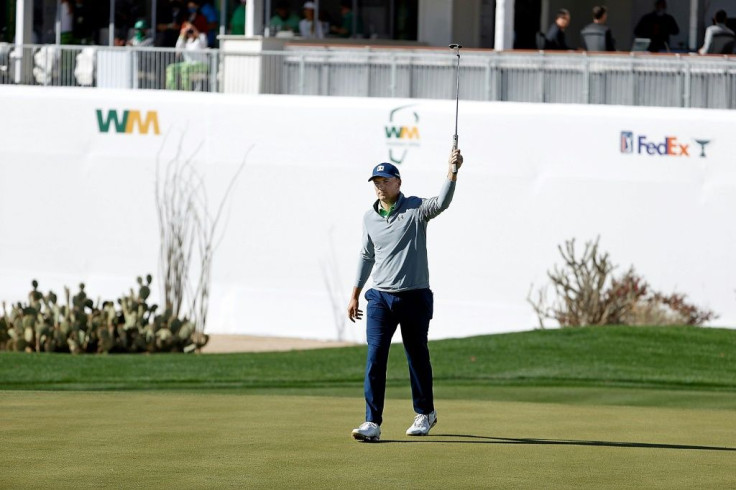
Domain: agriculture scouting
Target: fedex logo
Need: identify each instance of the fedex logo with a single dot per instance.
(669, 146)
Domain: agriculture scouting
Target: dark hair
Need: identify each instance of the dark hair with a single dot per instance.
(720, 17)
(562, 13)
(599, 11)
(348, 4)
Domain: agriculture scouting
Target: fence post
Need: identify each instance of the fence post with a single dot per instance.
(50, 73)
(133, 66)
(301, 74)
(392, 87)
(686, 85)
(214, 64)
(488, 78)
(634, 81)
(586, 79)
(541, 78)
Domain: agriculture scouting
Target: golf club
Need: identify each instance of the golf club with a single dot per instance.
(456, 48)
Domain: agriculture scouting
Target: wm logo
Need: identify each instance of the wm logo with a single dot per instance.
(128, 121)
(402, 132)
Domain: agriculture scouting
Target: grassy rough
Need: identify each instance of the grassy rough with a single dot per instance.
(673, 358)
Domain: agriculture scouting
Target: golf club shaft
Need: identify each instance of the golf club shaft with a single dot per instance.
(457, 103)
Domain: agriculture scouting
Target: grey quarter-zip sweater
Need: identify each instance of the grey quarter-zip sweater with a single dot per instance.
(395, 246)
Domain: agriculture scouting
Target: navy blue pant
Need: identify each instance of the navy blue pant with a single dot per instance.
(413, 311)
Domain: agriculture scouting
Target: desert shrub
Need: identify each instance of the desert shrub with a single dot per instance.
(80, 325)
(587, 293)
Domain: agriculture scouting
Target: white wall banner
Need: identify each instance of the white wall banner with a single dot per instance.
(77, 203)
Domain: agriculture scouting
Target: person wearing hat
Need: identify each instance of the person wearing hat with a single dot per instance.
(309, 27)
(395, 253)
(140, 37)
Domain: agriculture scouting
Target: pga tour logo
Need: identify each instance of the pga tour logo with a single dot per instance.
(668, 146)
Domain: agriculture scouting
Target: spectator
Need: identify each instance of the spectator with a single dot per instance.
(191, 40)
(237, 22)
(194, 17)
(67, 22)
(212, 16)
(555, 38)
(348, 17)
(719, 39)
(170, 17)
(308, 27)
(596, 35)
(657, 26)
(127, 12)
(82, 30)
(140, 36)
(284, 20)
(325, 21)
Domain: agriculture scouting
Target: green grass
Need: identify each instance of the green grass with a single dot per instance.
(608, 407)
(666, 358)
(211, 440)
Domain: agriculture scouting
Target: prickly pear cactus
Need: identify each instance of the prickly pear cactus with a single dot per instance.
(80, 326)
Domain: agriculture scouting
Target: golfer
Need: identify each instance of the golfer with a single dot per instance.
(395, 249)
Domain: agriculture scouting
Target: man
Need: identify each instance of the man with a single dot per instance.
(596, 35)
(284, 19)
(657, 26)
(345, 29)
(212, 16)
(719, 39)
(195, 17)
(140, 38)
(555, 38)
(83, 30)
(170, 17)
(237, 22)
(395, 250)
(309, 26)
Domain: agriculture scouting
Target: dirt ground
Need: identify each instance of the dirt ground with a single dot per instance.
(251, 343)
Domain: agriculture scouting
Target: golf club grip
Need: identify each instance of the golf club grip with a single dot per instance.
(454, 147)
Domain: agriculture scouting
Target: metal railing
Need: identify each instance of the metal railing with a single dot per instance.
(621, 79)
(105, 67)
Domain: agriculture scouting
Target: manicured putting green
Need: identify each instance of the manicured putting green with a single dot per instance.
(210, 440)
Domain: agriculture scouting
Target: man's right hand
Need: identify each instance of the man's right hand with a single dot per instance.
(354, 313)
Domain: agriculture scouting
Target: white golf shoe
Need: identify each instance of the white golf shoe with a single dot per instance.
(367, 432)
(422, 424)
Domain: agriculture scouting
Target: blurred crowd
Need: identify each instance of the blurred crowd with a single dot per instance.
(86, 22)
(652, 32)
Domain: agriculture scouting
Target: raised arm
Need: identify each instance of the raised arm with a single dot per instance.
(432, 207)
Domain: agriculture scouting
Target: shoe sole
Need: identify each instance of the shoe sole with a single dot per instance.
(422, 433)
(364, 438)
